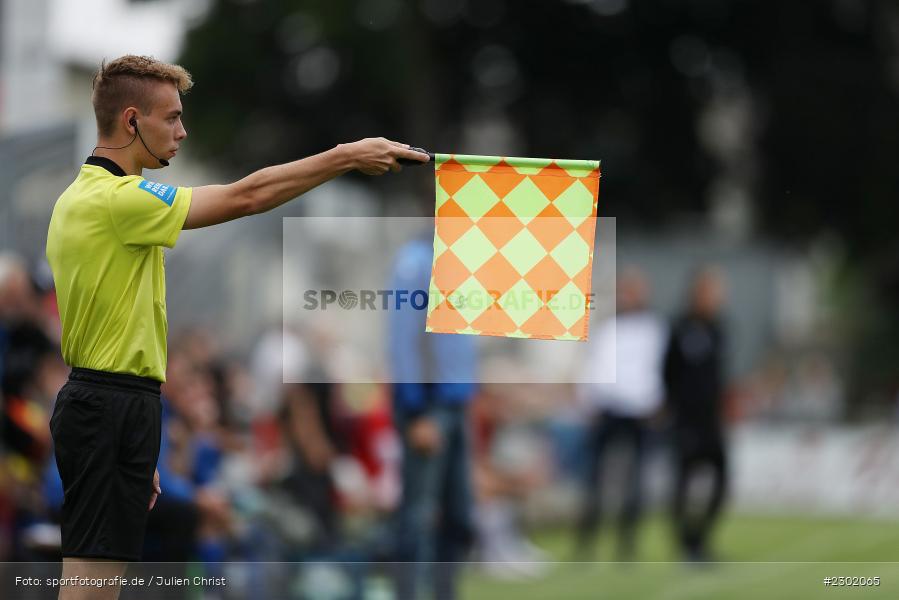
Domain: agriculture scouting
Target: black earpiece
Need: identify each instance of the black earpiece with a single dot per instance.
(133, 122)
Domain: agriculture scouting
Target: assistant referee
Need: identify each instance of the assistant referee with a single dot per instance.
(104, 246)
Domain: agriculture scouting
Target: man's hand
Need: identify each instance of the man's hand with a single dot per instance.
(156, 489)
(424, 435)
(376, 156)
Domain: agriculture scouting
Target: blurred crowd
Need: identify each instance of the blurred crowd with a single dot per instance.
(296, 477)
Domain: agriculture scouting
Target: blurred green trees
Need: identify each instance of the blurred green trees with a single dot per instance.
(806, 94)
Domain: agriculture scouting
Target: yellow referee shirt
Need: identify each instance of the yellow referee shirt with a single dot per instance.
(104, 247)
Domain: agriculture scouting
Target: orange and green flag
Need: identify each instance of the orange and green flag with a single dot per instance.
(513, 246)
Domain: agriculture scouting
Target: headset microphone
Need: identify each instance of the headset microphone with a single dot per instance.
(162, 161)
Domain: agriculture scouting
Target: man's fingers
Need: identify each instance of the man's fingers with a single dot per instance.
(405, 152)
(382, 155)
(153, 500)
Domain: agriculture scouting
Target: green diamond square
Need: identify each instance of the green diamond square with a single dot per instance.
(475, 198)
(473, 249)
(530, 166)
(526, 200)
(568, 305)
(470, 299)
(579, 168)
(435, 296)
(520, 302)
(523, 251)
(441, 196)
(572, 254)
(576, 203)
(478, 164)
(439, 247)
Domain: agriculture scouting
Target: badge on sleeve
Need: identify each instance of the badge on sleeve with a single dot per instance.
(164, 192)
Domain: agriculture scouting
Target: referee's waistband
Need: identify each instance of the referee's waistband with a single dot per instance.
(120, 380)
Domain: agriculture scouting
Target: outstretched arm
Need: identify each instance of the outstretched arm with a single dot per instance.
(273, 186)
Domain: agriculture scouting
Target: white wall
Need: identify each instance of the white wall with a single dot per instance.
(824, 470)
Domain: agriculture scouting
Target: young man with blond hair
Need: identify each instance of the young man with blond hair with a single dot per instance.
(104, 246)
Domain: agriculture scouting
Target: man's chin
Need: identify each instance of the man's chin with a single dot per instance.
(155, 164)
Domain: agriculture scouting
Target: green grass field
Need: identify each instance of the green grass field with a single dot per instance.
(761, 557)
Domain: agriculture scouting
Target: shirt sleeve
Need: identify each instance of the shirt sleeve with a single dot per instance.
(145, 213)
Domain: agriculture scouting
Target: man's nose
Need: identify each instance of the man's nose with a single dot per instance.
(181, 133)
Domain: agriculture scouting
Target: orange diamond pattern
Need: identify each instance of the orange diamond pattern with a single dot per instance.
(519, 251)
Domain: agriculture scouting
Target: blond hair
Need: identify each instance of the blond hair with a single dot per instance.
(127, 81)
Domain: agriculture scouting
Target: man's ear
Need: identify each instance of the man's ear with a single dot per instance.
(130, 116)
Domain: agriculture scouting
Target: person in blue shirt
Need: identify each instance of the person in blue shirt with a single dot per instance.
(434, 379)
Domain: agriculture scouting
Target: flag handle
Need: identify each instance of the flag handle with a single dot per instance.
(409, 161)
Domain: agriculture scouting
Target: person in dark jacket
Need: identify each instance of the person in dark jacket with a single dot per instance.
(694, 383)
(434, 380)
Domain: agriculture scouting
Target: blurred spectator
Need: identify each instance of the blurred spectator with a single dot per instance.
(279, 357)
(23, 339)
(296, 440)
(509, 465)
(310, 428)
(374, 447)
(194, 517)
(694, 381)
(333, 470)
(31, 373)
(624, 387)
(433, 381)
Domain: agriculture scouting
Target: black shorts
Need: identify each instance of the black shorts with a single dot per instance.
(106, 434)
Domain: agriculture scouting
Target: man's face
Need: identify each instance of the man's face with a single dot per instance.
(709, 294)
(162, 129)
(633, 290)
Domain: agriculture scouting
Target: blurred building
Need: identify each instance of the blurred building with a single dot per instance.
(230, 276)
(49, 53)
(50, 50)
